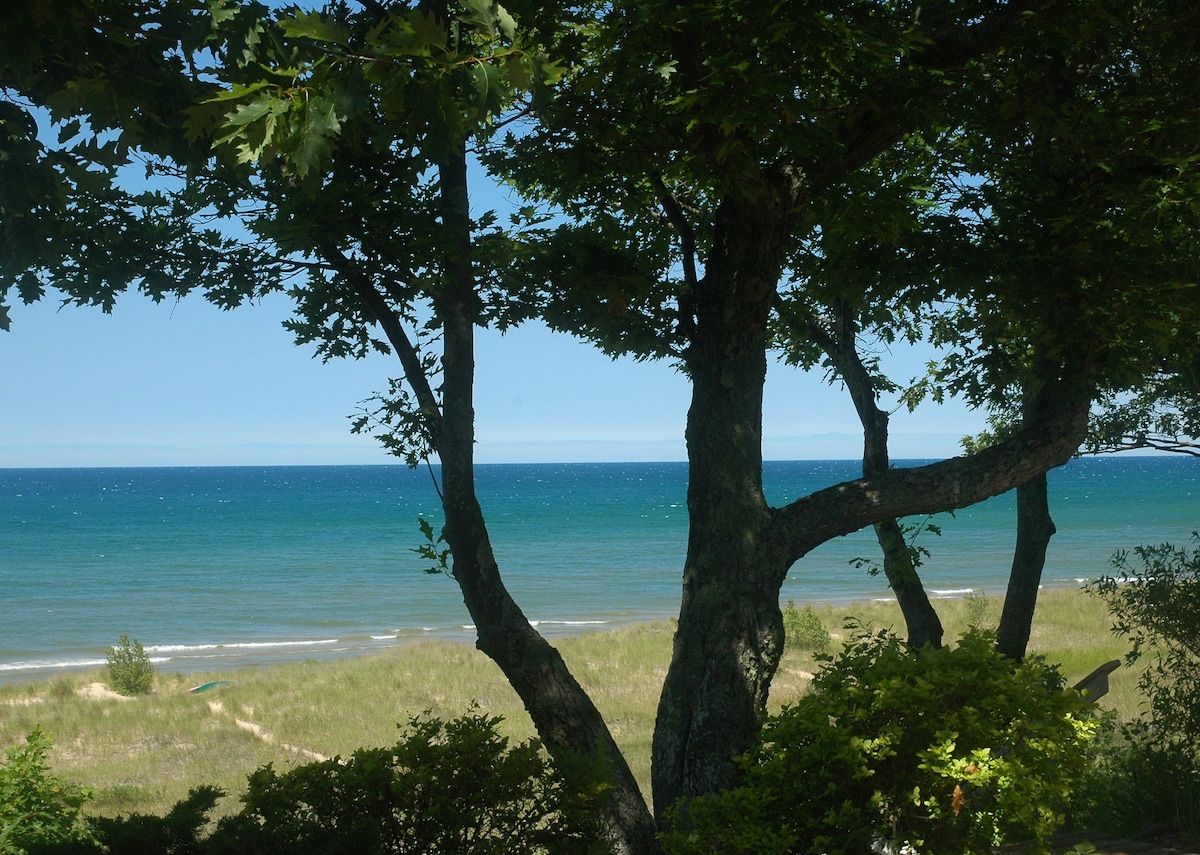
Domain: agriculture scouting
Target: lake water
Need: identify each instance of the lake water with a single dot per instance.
(218, 567)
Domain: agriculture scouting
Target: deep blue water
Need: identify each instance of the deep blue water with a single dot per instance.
(212, 567)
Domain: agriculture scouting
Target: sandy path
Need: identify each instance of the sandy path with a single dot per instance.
(218, 709)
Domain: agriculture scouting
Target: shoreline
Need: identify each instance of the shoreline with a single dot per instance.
(237, 655)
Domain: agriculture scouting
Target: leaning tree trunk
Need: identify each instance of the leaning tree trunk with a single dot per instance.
(841, 346)
(564, 715)
(1034, 530)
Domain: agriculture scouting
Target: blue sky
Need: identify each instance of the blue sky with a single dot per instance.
(184, 383)
(188, 384)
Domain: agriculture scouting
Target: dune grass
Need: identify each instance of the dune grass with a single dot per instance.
(143, 754)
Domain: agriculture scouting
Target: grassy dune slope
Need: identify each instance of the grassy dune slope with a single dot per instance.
(142, 754)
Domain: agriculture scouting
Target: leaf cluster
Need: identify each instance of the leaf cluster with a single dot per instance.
(37, 808)
(803, 630)
(1069, 228)
(1154, 600)
(446, 787)
(948, 750)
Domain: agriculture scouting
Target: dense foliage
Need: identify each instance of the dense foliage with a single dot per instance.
(130, 671)
(37, 808)
(445, 788)
(803, 630)
(945, 750)
(1149, 771)
(1155, 605)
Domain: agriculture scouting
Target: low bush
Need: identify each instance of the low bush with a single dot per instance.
(1135, 783)
(1154, 602)
(446, 788)
(37, 809)
(941, 750)
(130, 671)
(803, 630)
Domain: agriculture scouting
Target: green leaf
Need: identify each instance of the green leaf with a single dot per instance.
(315, 26)
(489, 89)
(506, 23)
(320, 123)
(254, 110)
(238, 91)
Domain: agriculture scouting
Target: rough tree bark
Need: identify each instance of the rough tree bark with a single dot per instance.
(731, 631)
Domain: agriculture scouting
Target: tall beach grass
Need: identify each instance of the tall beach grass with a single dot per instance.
(143, 754)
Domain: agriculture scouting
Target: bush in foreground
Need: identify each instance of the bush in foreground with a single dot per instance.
(37, 809)
(446, 788)
(1149, 771)
(948, 750)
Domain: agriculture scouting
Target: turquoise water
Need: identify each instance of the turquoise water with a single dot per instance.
(217, 567)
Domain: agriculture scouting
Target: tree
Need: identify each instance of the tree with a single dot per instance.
(712, 156)
(718, 169)
(374, 108)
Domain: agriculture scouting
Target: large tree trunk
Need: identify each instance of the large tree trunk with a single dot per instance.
(1034, 530)
(728, 642)
(564, 715)
(730, 632)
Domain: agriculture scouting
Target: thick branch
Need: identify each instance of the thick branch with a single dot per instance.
(561, 710)
(1042, 444)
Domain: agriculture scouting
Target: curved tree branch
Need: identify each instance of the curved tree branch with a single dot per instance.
(393, 328)
(1049, 438)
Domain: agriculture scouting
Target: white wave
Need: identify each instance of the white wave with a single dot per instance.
(384, 637)
(235, 645)
(51, 663)
(951, 592)
(259, 645)
(571, 622)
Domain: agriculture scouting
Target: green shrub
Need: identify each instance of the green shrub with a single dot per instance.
(130, 671)
(1135, 782)
(979, 610)
(37, 808)
(1156, 606)
(948, 750)
(1149, 771)
(445, 787)
(803, 630)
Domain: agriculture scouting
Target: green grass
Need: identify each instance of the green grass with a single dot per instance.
(142, 754)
